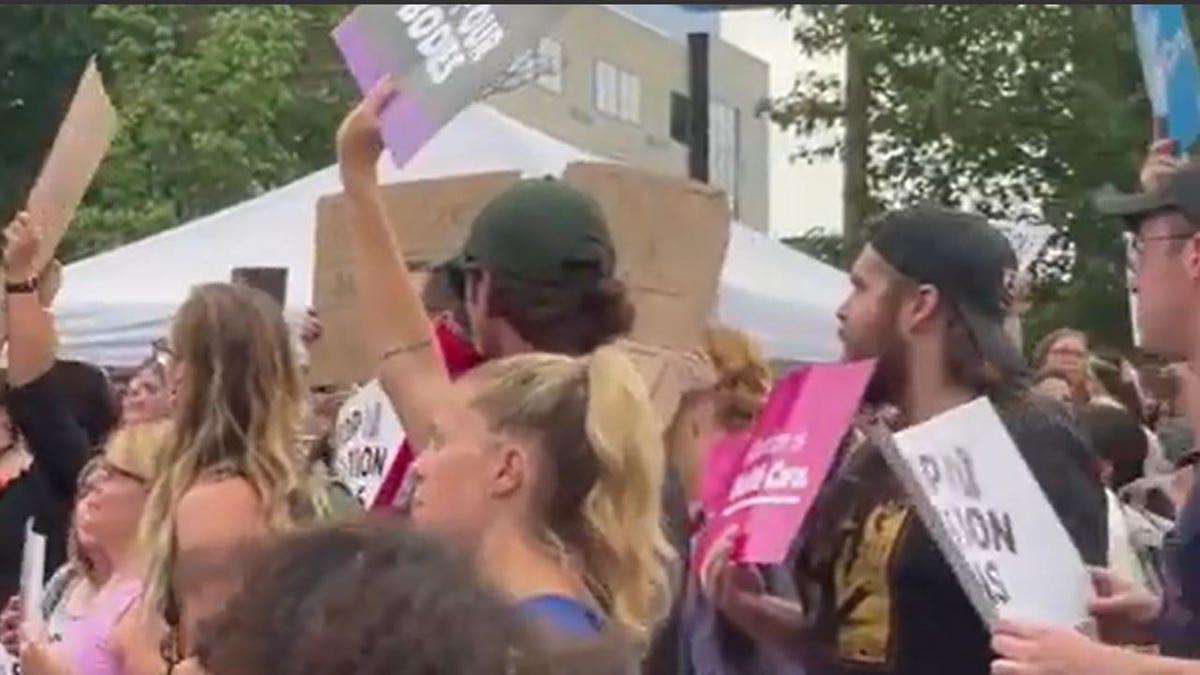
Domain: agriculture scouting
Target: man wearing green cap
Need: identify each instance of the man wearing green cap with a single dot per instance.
(536, 272)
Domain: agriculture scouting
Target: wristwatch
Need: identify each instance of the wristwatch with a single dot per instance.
(27, 286)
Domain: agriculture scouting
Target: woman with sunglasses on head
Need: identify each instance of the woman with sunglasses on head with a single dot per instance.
(100, 631)
(235, 468)
(547, 469)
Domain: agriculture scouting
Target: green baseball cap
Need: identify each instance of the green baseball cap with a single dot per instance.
(537, 230)
(1179, 191)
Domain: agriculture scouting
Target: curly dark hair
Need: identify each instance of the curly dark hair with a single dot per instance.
(583, 311)
(364, 598)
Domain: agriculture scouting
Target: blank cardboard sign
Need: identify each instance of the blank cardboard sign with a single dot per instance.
(431, 219)
(670, 235)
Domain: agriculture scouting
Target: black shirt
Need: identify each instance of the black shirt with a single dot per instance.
(884, 599)
(47, 490)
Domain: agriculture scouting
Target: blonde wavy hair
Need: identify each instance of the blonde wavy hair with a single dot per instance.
(238, 413)
(599, 498)
(743, 376)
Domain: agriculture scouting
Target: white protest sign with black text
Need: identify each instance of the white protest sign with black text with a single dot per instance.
(990, 518)
(367, 441)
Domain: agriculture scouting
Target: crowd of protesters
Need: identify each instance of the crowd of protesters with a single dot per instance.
(541, 516)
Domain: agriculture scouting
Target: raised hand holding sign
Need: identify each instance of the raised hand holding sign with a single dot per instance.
(442, 57)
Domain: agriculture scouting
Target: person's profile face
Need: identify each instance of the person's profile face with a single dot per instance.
(146, 399)
(1068, 354)
(454, 474)
(1165, 265)
(866, 318)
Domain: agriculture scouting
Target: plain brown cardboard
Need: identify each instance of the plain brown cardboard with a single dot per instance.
(82, 142)
(670, 235)
(431, 219)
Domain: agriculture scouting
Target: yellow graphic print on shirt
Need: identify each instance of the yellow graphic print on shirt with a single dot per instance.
(862, 584)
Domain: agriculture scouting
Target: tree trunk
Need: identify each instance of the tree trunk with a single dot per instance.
(855, 196)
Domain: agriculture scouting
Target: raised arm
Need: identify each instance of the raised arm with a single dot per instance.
(58, 444)
(399, 333)
(30, 327)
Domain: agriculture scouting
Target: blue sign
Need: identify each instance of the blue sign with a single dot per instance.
(1170, 68)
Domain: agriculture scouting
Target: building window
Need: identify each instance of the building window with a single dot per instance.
(681, 118)
(724, 139)
(618, 93)
(550, 64)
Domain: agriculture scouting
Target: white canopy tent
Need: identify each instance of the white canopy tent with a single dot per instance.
(113, 305)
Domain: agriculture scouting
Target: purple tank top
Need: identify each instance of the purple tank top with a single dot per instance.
(87, 639)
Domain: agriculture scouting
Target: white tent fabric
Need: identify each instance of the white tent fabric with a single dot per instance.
(114, 304)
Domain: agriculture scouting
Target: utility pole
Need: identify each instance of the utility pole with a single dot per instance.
(698, 114)
(855, 190)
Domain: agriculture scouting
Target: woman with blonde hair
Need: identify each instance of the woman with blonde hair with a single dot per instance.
(547, 469)
(98, 631)
(234, 468)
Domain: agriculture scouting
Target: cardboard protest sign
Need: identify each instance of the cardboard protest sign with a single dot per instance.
(991, 520)
(442, 56)
(670, 236)
(270, 280)
(782, 463)
(1170, 69)
(431, 219)
(367, 440)
(82, 142)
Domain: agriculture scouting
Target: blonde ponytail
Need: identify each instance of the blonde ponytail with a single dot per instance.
(600, 502)
(627, 555)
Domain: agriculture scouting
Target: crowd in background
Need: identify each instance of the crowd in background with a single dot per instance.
(544, 518)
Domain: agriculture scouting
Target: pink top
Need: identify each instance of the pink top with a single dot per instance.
(87, 638)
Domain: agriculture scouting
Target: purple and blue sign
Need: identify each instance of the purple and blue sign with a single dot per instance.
(442, 57)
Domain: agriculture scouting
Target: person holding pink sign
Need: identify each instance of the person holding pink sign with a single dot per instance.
(929, 298)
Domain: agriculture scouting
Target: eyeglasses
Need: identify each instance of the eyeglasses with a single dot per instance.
(1136, 243)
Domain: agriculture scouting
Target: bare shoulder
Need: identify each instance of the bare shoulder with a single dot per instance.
(216, 510)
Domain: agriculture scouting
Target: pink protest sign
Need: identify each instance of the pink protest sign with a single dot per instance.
(772, 477)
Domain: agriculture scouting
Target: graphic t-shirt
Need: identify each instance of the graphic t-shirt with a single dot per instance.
(884, 599)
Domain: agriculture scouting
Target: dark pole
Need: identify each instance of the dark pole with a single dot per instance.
(698, 117)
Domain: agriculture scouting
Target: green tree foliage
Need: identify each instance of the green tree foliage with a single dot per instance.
(1016, 111)
(217, 104)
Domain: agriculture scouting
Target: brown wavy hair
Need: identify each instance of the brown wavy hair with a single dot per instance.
(580, 312)
(239, 413)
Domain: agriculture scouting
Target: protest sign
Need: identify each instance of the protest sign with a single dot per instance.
(82, 142)
(1027, 241)
(441, 56)
(1170, 69)
(670, 235)
(33, 575)
(269, 280)
(366, 442)
(783, 462)
(977, 496)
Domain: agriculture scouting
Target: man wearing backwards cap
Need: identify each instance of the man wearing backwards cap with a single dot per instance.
(1164, 253)
(929, 298)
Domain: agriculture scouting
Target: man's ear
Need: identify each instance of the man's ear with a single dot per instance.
(1191, 257)
(919, 307)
